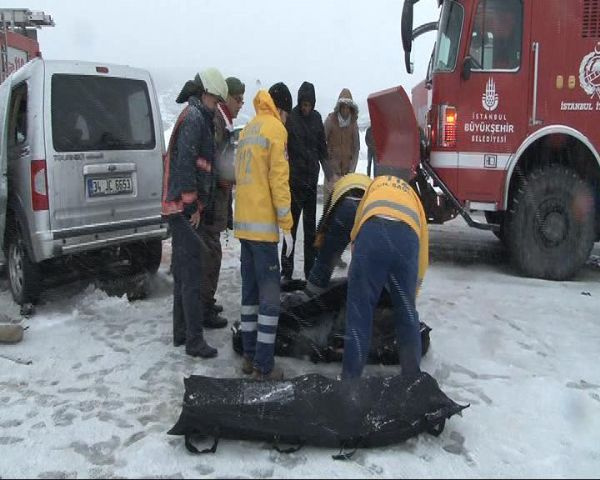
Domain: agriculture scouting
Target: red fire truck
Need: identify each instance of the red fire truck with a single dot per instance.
(508, 121)
(18, 37)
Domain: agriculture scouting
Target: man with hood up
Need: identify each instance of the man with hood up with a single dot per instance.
(343, 142)
(262, 209)
(307, 149)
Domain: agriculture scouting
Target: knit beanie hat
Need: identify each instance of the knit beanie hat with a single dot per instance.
(282, 97)
(235, 86)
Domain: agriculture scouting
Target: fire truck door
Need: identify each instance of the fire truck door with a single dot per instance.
(493, 100)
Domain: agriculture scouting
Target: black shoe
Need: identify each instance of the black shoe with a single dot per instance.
(213, 320)
(178, 341)
(200, 348)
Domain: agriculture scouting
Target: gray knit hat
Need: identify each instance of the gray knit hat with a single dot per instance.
(235, 86)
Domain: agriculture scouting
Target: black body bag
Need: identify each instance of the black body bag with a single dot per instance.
(313, 410)
(314, 327)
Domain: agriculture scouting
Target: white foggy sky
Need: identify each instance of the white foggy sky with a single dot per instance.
(331, 43)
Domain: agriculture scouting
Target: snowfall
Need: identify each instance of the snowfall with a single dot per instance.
(96, 383)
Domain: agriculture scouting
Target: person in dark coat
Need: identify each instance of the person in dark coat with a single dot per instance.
(371, 157)
(306, 150)
(217, 218)
(188, 193)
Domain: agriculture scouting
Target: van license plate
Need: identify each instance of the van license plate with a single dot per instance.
(99, 187)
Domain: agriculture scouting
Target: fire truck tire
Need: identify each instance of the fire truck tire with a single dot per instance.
(497, 218)
(550, 225)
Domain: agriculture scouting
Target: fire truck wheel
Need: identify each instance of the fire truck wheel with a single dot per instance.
(497, 218)
(550, 226)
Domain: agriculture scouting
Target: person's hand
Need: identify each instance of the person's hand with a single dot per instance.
(195, 219)
(289, 243)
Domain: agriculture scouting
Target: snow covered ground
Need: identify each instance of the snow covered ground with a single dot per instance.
(105, 383)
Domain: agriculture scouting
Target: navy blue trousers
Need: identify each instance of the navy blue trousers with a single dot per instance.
(386, 254)
(187, 275)
(260, 302)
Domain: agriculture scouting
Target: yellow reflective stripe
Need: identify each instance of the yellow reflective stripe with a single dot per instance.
(268, 321)
(255, 140)
(394, 206)
(265, 337)
(256, 227)
(282, 212)
(249, 310)
(249, 326)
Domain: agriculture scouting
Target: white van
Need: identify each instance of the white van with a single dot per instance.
(81, 148)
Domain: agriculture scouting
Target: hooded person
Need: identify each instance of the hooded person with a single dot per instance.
(343, 141)
(188, 193)
(219, 217)
(307, 152)
(262, 209)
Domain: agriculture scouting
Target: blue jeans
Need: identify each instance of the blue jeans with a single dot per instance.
(386, 253)
(337, 238)
(260, 302)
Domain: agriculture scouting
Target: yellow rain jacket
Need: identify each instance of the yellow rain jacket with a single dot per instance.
(392, 197)
(262, 191)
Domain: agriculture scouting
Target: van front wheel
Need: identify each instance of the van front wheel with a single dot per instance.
(23, 275)
(146, 255)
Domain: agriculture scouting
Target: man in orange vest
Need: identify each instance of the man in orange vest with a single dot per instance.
(390, 244)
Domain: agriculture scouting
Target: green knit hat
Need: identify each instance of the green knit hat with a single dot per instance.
(235, 86)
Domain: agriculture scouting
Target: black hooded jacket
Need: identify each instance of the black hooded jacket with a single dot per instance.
(306, 142)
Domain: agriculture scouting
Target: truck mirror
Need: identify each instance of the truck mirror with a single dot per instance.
(466, 69)
(407, 30)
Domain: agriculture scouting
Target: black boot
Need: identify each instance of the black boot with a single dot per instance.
(212, 319)
(199, 348)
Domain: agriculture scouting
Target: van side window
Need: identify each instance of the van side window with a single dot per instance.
(497, 35)
(17, 123)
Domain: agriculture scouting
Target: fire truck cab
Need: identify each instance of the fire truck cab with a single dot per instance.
(509, 124)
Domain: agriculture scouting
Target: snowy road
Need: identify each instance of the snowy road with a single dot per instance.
(105, 383)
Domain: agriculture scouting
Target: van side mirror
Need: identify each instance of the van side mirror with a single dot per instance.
(466, 68)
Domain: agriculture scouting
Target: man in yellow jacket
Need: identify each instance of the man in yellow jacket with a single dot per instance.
(390, 249)
(333, 232)
(262, 208)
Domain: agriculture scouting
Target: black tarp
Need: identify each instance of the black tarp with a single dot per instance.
(313, 410)
(314, 327)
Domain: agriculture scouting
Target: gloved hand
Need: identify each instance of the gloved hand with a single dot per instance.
(289, 243)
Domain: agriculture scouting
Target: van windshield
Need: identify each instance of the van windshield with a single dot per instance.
(91, 113)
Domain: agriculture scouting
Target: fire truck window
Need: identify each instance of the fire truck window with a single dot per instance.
(497, 34)
(449, 32)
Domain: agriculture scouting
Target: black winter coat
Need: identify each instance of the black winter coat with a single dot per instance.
(306, 148)
(195, 140)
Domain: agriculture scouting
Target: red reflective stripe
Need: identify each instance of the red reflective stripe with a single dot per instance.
(171, 207)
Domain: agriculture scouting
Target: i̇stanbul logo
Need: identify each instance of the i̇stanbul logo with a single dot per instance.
(589, 72)
(490, 97)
